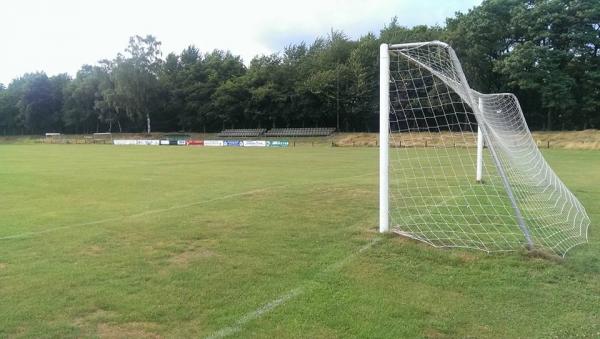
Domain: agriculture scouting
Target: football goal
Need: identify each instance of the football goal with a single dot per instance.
(104, 137)
(459, 168)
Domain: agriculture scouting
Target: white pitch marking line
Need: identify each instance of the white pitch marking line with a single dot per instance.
(156, 211)
(281, 300)
(160, 210)
(230, 330)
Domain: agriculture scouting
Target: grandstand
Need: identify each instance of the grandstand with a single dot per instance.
(300, 132)
(176, 136)
(242, 132)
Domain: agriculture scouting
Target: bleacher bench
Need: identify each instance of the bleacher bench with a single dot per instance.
(300, 132)
(244, 133)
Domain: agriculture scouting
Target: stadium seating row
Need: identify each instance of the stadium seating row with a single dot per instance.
(278, 132)
(300, 132)
(242, 132)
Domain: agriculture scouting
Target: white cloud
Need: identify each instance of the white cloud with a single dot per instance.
(59, 36)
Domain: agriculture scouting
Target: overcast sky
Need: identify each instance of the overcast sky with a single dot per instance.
(58, 36)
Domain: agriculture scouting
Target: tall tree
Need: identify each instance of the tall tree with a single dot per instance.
(545, 51)
(9, 112)
(363, 86)
(83, 109)
(41, 102)
(135, 79)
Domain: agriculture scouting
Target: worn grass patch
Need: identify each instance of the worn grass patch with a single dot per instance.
(128, 330)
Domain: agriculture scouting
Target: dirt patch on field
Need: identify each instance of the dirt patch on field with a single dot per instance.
(543, 255)
(433, 334)
(180, 253)
(87, 321)
(20, 332)
(466, 257)
(191, 255)
(128, 330)
(3, 265)
(98, 315)
(93, 250)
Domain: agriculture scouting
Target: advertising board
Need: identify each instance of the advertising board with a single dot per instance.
(278, 143)
(254, 143)
(213, 143)
(233, 143)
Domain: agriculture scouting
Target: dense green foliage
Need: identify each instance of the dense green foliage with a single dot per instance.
(546, 51)
(181, 242)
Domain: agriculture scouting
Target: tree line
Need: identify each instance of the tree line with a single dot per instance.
(547, 52)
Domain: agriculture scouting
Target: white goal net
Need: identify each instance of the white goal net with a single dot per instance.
(436, 194)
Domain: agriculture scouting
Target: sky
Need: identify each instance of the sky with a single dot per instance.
(58, 36)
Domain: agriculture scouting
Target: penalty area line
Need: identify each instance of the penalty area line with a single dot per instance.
(307, 287)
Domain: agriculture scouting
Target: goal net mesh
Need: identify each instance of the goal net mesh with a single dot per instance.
(434, 197)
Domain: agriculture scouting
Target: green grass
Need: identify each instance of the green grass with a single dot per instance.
(185, 242)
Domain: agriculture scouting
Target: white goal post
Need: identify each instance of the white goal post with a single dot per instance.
(459, 168)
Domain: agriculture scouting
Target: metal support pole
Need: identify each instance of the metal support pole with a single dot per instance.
(511, 196)
(479, 174)
(384, 128)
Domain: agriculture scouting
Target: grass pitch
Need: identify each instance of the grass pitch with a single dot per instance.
(105, 241)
